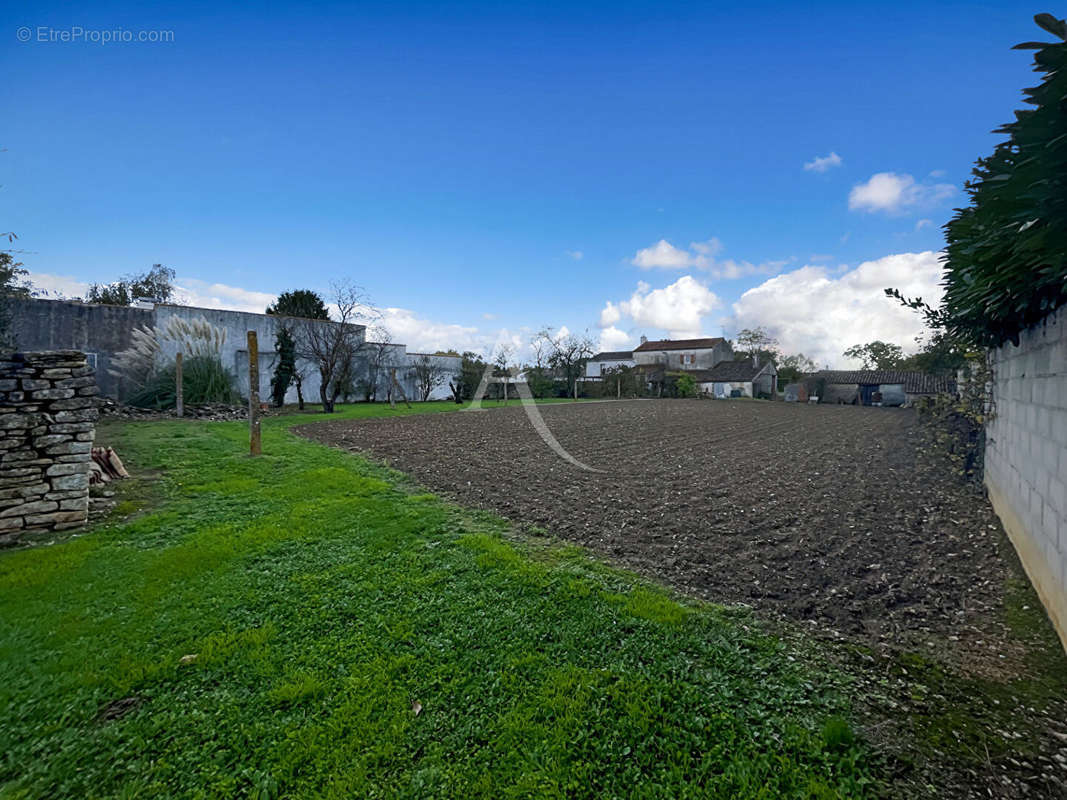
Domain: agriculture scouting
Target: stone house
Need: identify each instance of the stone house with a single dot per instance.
(683, 354)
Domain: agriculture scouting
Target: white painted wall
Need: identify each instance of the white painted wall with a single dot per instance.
(709, 387)
(1026, 457)
(596, 369)
(234, 352)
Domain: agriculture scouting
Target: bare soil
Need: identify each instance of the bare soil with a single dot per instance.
(838, 519)
(817, 513)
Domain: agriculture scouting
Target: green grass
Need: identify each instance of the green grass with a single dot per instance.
(268, 628)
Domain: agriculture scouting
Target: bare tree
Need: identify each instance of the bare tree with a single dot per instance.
(429, 373)
(567, 355)
(500, 363)
(333, 347)
(541, 345)
(299, 376)
(377, 352)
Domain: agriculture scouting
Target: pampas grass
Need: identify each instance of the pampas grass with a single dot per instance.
(204, 379)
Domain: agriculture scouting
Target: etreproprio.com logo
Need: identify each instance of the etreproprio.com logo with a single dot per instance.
(77, 34)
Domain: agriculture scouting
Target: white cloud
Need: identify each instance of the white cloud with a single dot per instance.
(823, 163)
(423, 335)
(700, 255)
(194, 292)
(923, 223)
(730, 269)
(893, 193)
(58, 286)
(188, 291)
(811, 312)
(577, 255)
(711, 247)
(609, 315)
(611, 338)
(664, 255)
(678, 308)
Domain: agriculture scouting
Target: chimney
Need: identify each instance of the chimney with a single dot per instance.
(755, 360)
(644, 339)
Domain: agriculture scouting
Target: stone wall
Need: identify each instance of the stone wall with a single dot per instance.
(47, 422)
(1026, 457)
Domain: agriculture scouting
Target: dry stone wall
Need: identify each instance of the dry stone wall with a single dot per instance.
(48, 411)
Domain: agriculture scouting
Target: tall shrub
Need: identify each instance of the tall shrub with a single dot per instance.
(1007, 251)
(150, 370)
(285, 369)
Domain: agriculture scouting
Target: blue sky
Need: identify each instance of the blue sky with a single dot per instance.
(455, 159)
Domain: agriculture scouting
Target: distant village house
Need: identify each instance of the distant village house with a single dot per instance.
(710, 361)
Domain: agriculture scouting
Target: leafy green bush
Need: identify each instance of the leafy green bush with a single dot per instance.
(204, 380)
(685, 386)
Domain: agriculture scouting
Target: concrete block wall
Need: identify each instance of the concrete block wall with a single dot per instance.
(47, 424)
(1026, 457)
(64, 325)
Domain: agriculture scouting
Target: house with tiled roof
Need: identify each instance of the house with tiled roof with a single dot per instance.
(709, 360)
(683, 354)
(662, 355)
(608, 360)
(744, 377)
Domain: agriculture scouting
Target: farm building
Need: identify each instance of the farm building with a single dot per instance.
(747, 377)
(887, 387)
(596, 366)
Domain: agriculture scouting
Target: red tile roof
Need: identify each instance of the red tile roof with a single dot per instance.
(679, 344)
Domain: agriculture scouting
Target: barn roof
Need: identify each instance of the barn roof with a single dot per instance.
(727, 371)
(678, 344)
(613, 355)
(913, 382)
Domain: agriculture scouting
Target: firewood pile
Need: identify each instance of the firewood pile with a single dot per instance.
(105, 466)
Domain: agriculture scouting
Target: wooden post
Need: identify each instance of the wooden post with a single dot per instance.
(253, 394)
(179, 394)
(400, 389)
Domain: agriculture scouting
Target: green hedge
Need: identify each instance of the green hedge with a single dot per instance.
(1006, 263)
